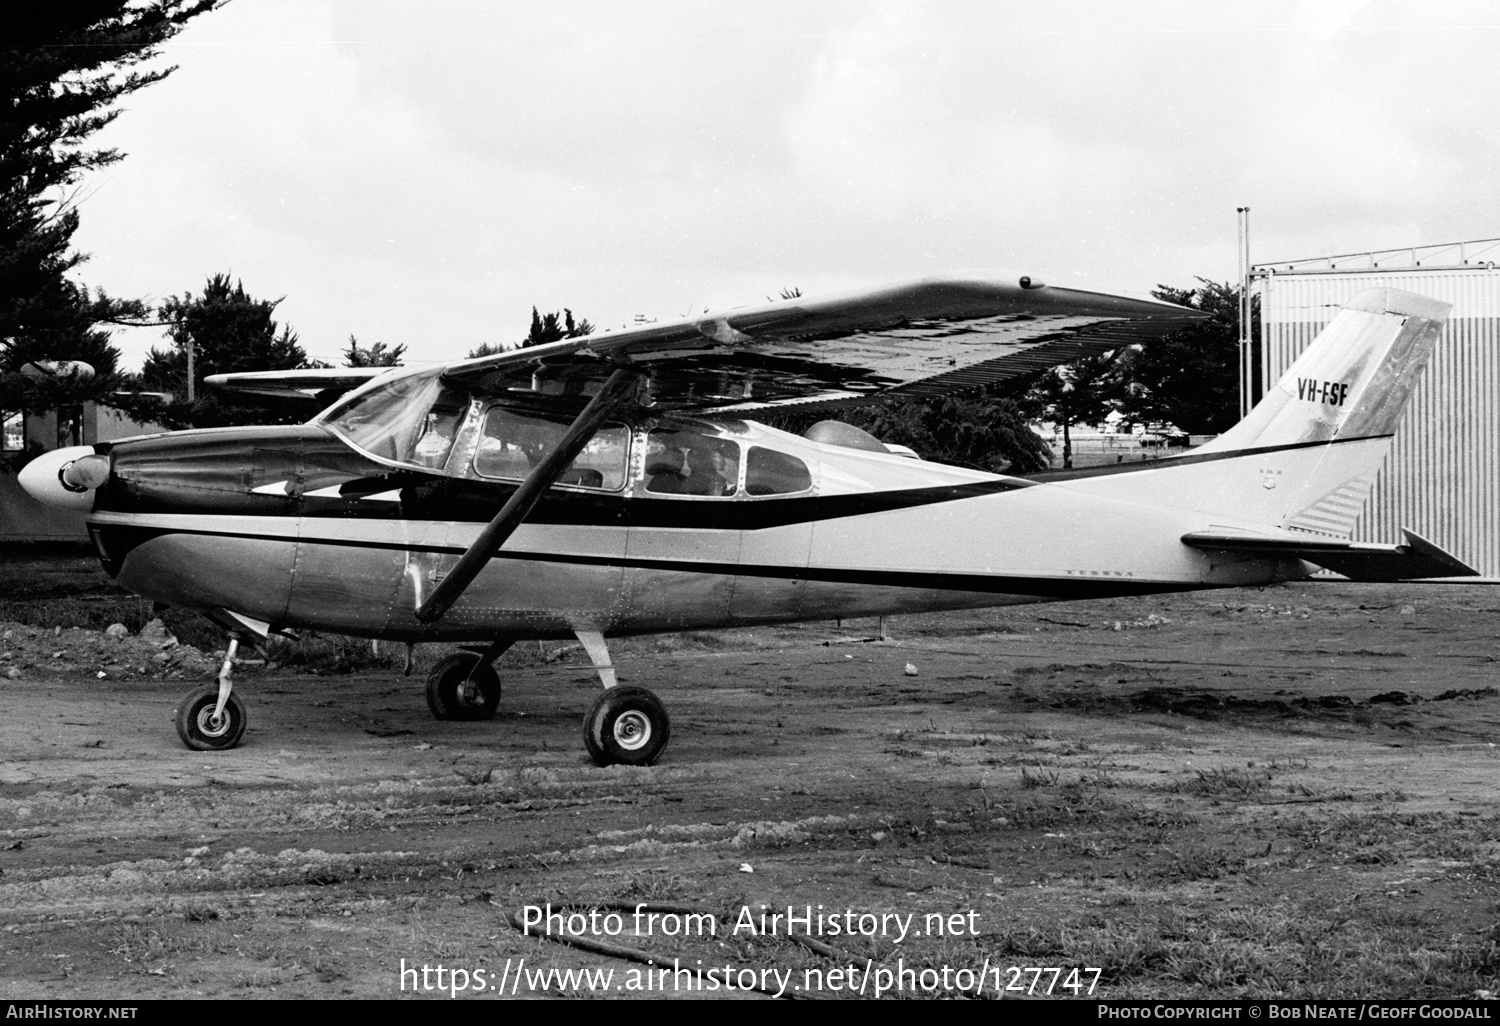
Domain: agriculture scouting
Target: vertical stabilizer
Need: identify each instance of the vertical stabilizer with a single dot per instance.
(1353, 381)
(1305, 458)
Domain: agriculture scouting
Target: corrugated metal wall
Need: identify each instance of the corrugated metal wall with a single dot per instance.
(1442, 477)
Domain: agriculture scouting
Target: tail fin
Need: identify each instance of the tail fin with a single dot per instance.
(1353, 381)
(1305, 458)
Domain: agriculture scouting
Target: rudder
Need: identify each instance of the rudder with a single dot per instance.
(1353, 381)
(1306, 457)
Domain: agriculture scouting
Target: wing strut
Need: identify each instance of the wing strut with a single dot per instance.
(619, 389)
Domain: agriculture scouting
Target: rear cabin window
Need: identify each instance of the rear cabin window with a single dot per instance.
(687, 462)
(768, 472)
(511, 444)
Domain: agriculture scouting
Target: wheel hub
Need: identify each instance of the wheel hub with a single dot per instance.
(632, 730)
(210, 725)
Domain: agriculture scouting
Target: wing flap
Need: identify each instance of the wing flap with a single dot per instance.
(1359, 561)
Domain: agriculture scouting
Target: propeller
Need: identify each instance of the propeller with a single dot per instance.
(65, 478)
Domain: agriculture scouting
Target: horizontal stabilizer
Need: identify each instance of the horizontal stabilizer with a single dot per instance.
(1358, 561)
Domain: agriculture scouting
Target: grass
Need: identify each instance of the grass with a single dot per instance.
(655, 884)
(1289, 949)
(1234, 781)
(1038, 777)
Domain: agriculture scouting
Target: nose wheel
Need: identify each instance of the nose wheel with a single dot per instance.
(626, 725)
(212, 718)
(203, 728)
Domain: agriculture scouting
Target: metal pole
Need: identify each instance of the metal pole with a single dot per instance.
(1247, 374)
(1246, 316)
(1239, 267)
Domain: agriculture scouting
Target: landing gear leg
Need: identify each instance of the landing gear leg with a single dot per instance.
(226, 687)
(212, 718)
(625, 725)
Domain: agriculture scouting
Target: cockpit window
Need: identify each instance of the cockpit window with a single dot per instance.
(686, 462)
(512, 443)
(409, 420)
(769, 472)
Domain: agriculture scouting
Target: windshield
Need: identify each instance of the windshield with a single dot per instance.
(411, 419)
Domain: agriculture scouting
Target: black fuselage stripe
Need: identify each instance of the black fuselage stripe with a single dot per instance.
(933, 580)
(428, 497)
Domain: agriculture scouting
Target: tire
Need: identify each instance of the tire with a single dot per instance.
(195, 720)
(450, 698)
(626, 726)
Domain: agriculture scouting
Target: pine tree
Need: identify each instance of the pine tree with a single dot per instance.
(229, 331)
(377, 355)
(1190, 378)
(554, 327)
(551, 327)
(63, 66)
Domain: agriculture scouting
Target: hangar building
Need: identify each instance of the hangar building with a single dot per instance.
(1442, 477)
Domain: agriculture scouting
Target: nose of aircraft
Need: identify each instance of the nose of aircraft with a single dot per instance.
(65, 478)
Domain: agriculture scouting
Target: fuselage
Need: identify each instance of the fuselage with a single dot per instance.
(299, 527)
(583, 497)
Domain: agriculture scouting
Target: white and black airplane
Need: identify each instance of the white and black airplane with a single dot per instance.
(614, 484)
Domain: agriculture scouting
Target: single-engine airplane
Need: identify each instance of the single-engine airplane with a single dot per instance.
(614, 485)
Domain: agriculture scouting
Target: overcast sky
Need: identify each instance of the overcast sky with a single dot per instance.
(426, 173)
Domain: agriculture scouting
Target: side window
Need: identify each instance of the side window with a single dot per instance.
(511, 443)
(12, 432)
(681, 462)
(69, 426)
(768, 472)
(436, 434)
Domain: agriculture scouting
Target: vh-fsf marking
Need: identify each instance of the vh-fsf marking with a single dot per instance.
(615, 485)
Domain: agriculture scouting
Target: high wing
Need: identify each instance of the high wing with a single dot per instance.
(927, 337)
(1358, 561)
(295, 384)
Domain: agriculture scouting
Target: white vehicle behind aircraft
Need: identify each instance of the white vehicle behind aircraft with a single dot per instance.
(613, 485)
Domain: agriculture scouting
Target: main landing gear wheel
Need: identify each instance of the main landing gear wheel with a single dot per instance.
(198, 727)
(626, 725)
(463, 687)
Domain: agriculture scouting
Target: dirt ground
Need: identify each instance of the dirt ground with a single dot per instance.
(1287, 791)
